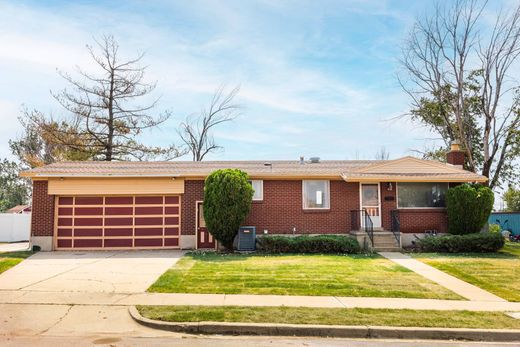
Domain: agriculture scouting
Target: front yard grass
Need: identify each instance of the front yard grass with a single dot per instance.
(331, 316)
(336, 275)
(498, 273)
(10, 259)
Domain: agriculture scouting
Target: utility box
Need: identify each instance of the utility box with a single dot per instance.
(246, 239)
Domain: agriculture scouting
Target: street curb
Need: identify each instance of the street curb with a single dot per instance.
(377, 332)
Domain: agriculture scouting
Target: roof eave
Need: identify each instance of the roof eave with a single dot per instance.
(35, 175)
(94, 175)
(389, 178)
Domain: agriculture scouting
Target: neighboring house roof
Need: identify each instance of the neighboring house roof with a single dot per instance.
(19, 209)
(404, 169)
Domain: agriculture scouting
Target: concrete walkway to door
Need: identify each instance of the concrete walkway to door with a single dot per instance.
(460, 287)
(92, 272)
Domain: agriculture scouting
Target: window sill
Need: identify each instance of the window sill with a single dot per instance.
(422, 209)
(316, 210)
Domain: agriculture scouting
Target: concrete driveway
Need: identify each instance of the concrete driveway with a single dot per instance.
(112, 272)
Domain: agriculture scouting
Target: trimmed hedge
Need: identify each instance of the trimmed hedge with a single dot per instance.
(227, 202)
(469, 243)
(469, 207)
(308, 244)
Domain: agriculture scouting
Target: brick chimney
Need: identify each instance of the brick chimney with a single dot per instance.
(455, 156)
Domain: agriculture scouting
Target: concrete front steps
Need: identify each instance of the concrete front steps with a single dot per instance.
(384, 241)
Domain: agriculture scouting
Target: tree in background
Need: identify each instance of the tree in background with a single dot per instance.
(469, 207)
(14, 190)
(457, 76)
(227, 202)
(37, 146)
(433, 153)
(382, 154)
(195, 131)
(107, 116)
(512, 199)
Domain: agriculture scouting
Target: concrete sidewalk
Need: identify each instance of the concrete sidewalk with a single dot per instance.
(460, 287)
(130, 299)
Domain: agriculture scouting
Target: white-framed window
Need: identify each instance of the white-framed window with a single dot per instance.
(421, 194)
(258, 187)
(316, 194)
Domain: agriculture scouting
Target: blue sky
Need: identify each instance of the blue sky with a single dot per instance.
(318, 78)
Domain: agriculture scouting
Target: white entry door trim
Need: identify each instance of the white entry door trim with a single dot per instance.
(374, 210)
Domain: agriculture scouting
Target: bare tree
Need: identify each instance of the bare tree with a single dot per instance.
(105, 107)
(195, 131)
(457, 76)
(382, 154)
(501, 121)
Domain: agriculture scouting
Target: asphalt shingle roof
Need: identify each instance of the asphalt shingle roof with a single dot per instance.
(348, 169)
(190, 168)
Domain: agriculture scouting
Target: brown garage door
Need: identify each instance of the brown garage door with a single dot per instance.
(117, 222)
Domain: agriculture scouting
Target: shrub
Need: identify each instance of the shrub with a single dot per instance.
(469, 207)
(308, 244)
(227, 202)
(494, 228)
(469, 243)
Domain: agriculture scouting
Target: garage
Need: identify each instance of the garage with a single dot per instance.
(117, 222)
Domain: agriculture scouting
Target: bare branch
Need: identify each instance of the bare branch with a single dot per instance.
(458, 81)
(195, 130)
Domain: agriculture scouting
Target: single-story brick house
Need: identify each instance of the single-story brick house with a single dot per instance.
(150, 205)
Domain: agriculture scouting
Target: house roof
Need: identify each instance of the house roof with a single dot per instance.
(407, 168)
(196, 169)
(18, 209)
(410, 169)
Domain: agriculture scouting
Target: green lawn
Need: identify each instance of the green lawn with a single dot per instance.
(10, 259)
(331, 316)
(498, 273)
(337, 275)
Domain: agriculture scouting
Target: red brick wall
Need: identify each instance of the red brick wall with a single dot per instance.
(281, 209)
(419, 220)
(388, 203)
(42, 218)
(455, 157)
(193, 191)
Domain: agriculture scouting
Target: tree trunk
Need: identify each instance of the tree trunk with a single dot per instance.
(110, 138)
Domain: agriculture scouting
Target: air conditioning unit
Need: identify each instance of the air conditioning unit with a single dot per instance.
(246, 239)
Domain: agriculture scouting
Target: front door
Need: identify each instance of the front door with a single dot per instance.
(204, 238)
(370, 202)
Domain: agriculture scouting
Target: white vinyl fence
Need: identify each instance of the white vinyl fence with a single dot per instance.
(15, 227)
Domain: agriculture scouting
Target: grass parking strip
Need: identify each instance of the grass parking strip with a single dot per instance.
(331, 316)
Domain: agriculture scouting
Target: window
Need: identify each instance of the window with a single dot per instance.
(202, 222)
(258, 187)
(410, 195)
(316, 194)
